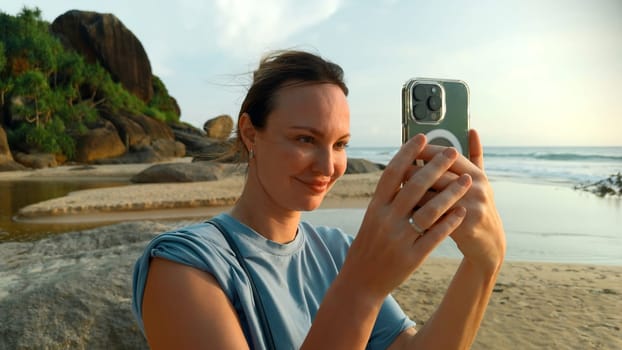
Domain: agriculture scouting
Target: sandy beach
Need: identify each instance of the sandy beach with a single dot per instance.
(534, 306)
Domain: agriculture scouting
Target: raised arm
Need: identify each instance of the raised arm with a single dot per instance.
(481, 239)
(388, 248)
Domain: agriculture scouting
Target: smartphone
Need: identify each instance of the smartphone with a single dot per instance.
(438, 108)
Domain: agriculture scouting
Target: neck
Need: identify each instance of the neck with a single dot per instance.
(268, 220)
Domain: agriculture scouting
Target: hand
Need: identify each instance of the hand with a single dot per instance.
(388, 248)
(480, 237)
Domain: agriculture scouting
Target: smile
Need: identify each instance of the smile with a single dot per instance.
(317, 187)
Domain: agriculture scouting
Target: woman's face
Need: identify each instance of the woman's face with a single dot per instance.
(301, 151)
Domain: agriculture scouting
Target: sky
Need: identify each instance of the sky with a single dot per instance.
(540, 73)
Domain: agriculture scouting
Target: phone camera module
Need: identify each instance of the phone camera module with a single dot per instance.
(427, 103)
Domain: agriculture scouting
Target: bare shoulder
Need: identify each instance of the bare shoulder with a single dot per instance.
(185, 307)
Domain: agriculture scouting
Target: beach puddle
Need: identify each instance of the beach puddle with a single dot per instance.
(16, 194)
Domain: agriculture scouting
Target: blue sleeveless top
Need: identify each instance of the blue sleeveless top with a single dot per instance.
(291, 278)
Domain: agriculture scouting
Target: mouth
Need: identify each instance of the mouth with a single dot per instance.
(317, 187)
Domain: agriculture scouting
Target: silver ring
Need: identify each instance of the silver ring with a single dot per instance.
(420, 231)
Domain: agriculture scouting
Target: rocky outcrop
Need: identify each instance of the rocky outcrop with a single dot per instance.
(36, 160)
(158, 151)
(99, 143)
(5, 151)
(103, 38)
(7, 163)
(199, 146)
(138, 130)
(125, 138)
(73, 291)
(608, 187)
(11, 166)
(360, 166)
(219, 128)
(188, 172)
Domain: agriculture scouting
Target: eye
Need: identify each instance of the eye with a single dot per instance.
(341, 145)
(305, 139)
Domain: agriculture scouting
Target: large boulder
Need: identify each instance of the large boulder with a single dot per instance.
(73, 291)
(103, 38)
(99, 143)
(187, 172)
(147, 140)
(138, 130)
(197, 143)
(36, 160)
(219, 128)
(360, 166)
(157, 151)
(11, 166)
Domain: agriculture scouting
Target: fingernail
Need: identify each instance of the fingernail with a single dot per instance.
(460, 212)
(450, 152)
(419, 138)
(464, 180)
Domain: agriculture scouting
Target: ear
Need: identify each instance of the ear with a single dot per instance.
(247, 130)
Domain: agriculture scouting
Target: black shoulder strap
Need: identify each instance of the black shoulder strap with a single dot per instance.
(261, 313)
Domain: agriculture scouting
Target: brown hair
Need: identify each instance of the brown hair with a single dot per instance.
(279, 69)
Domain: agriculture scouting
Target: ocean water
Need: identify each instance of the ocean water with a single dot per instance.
(560, 165)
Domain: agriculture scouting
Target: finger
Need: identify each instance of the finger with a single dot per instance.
(395, 172)
(475, 149)
(439, 231)
(438, 206)
(442, 182)
(460, 166)
(426, 198)
(414, 189)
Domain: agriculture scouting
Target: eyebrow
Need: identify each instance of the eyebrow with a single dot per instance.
(315, 131)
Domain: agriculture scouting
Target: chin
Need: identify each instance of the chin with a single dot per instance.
(311, 204)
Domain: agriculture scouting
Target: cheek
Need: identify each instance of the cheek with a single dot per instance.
(290, 157)
(341, 163)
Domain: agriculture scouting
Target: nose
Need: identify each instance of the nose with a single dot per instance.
(324, 162)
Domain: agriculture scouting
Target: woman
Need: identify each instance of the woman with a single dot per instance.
(321, 288)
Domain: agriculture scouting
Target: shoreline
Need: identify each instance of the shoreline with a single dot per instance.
(151, 199)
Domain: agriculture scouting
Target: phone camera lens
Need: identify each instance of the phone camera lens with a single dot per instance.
(434, 103)
(420, 93)
(420, 112)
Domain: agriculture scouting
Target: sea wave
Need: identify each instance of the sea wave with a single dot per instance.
(555, 156)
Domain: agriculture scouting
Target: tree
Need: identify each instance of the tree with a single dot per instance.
(32, 87)
(6, 82)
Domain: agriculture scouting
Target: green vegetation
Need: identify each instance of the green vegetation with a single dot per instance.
(611, 186)
(49, 94)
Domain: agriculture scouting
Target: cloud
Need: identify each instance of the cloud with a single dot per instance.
(249, 27)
